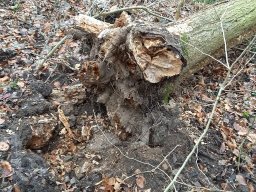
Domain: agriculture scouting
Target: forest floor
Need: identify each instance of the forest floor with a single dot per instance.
(55, 136)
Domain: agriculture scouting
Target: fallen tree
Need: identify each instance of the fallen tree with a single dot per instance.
(130, 62)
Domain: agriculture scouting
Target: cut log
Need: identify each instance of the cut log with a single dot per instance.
(131, 59)
(159, 51)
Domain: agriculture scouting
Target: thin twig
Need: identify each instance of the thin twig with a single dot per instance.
(224, 39)
(121, 152)
(130, 8)
(52, 52)
(197, 159)
(234, 76)
(221, 89)
(170, 186)
(207, 189)
(206, 54)
(245, 50)
(155, 168)
(51, 73)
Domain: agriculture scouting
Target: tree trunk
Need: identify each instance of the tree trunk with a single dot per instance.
(129, 60)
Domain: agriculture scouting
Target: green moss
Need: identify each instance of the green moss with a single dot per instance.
(15, 7)
(166, 93)
(13, 85)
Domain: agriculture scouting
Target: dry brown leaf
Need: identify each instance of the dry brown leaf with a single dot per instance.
(251, 137)
(206, 98)
(226, 133)
(21, 84)
(140, 181)
(236, 152)
(226, 186)
(4, 146)
(47, 27)
(108, 184)
(7, 169)
(2, 121)
(231, 144)
(16, 188)
(198, 108)
(227, 107)
(251, 187)
(222, 147)
(65, 122)
(241, 180)
(240, 129)
(110, 181)
(4, 79)
(117, 186)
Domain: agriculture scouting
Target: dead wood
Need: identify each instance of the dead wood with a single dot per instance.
(127, 57)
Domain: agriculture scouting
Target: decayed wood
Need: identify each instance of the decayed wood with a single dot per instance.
(130, 59)
(145, 50)
(130, 49)
(154, 51)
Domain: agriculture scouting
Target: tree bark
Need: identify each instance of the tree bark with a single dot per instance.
(129, 61)
(159, 51)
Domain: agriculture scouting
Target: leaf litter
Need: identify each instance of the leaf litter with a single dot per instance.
(28, 32)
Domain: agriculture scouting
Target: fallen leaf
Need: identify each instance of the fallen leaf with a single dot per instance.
(226, 186)
(236, 152)
(251, 137)
(4, 146)
(241, 180)
(250, 187)
(16, 188)
(65, 122)
(7, 169)
(227, 107)
(222, 147)
(240, 129)
(2, 121)
(206, 98)
(117, 186)
(140, 181)
(222, 162)
(111, 181)
(231, 144)
(21, 84)
(226, 132)
(85, 167)
(108, 184)
(4, 79)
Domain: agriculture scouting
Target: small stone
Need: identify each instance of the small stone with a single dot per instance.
(66, 179)
(73, 181)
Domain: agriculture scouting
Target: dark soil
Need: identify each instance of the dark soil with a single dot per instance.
(130, 152)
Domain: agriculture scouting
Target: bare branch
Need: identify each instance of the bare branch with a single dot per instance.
(54, 49)
(130, 8)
